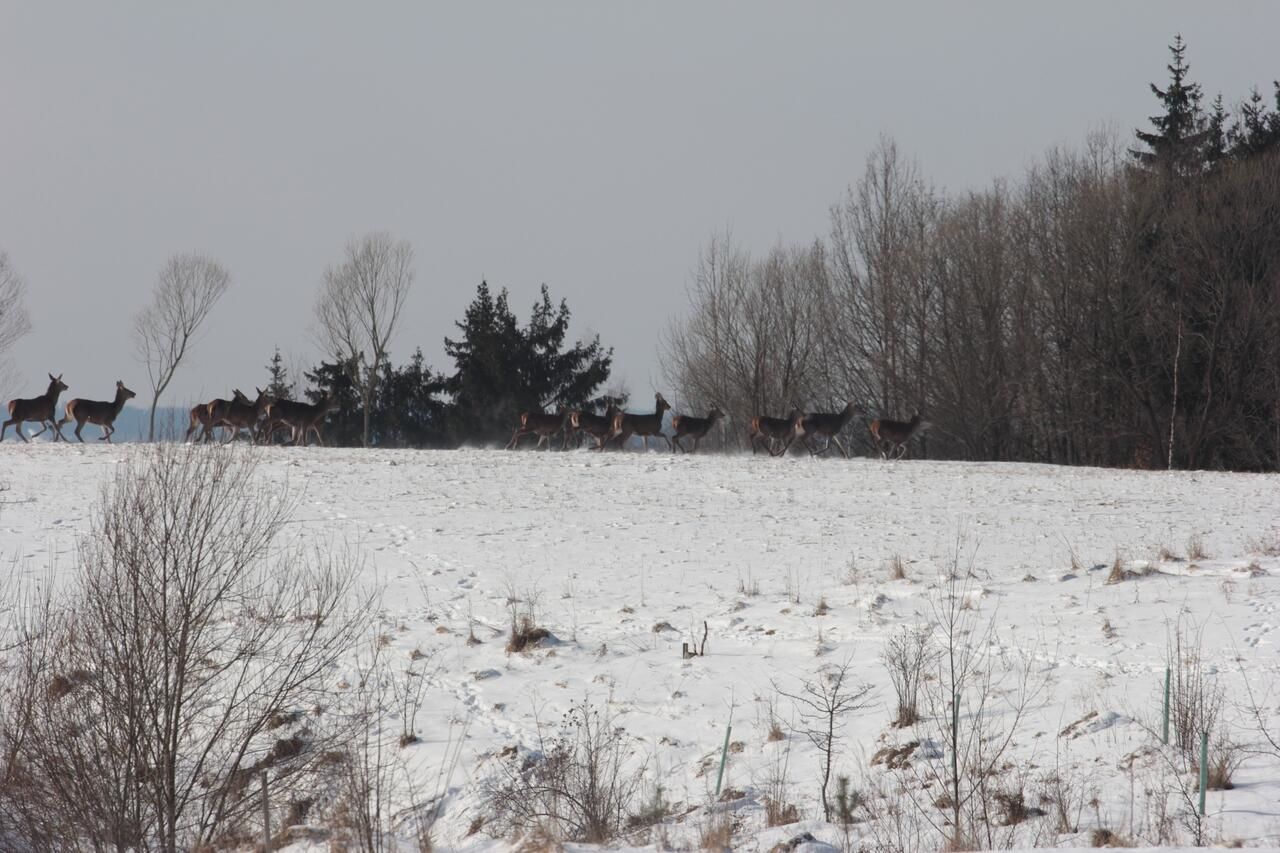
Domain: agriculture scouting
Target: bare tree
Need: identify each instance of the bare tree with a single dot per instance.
(14, 321)
(190, 285)
(359, 304)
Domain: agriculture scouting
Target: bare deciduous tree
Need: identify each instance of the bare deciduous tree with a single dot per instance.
(359, 305)
(14, 320)
(190, 285)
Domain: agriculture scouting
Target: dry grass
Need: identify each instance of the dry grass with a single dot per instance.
(897, 568)
(1107, 838)
(1195, 548)
(525, 634)
(1119, 573)
(822, 608)
(717, 833)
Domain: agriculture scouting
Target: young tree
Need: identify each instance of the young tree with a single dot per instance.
(359, 306)
(190, 285)
(823, 703)
(278, 384)
(14, 321)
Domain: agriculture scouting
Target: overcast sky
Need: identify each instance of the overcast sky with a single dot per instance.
(593, 146)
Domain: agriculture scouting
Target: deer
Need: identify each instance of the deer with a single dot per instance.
(97, 412)
(687, 426)
(774, 430)
(241, 414)
(541, 424)
(596, 426)
(626, 424)
(829, 426)
(891, 437)
(301, 418)
(40, 409)
(208, 416)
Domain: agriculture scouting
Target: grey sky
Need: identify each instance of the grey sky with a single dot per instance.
(592, 146)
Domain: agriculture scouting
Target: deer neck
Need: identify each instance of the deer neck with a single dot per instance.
(117, 404)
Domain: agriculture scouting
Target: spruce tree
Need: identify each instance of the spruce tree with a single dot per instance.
(1176, 142)
(278, 384)
(502, 369)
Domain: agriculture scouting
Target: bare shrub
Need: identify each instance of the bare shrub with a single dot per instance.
(186, 648)
(907, 658)
(522, 611)
(575, 782)
(1196, 697)
(897, 568)
(1195, 548)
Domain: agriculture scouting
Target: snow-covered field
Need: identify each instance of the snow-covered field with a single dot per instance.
(612, 546)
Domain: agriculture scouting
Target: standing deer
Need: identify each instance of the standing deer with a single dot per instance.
(626, 425)
(244, 415)
(596, 426)
(97, 412)
(695, 428)
(774, 430)
(891, 437)
(828, 426)
(42, 408)
(301, 418)
(541, 424)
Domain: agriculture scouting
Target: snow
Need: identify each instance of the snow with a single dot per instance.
(611, 545)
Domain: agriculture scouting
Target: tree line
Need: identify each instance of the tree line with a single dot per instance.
(1116, 305)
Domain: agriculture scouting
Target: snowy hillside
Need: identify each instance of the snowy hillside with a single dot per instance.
(789, 563)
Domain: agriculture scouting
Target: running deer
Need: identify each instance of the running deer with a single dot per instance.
(773, 430)
(244, 415)
(596, 426)
(42, 408)
(208, 416)
(302, 419)
(891, 437)
(626, 425)
(540, 424)
(97, 412)
(828, 426)
(696, 428)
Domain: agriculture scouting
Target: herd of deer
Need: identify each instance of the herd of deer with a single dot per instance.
(263, 418)
(775, 434)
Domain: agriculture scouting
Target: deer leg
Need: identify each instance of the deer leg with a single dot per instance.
(676, 442)
(901, 451)
(107, 430)
(843, 452)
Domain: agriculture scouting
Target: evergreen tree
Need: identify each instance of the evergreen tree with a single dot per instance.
(1257, 129)
(486, 396)
(1218, 138)
(278, 384)
(1176, 142)
(344, 424)
(410, 412)
(502, 369)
